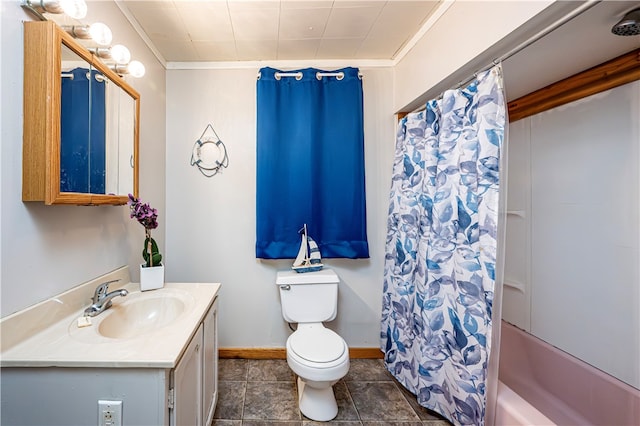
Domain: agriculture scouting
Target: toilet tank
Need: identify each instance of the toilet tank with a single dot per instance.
(308, 297)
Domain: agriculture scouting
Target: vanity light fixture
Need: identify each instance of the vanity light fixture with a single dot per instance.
(76, 9)
(101, 52)
(136, 69)
(120, 54)
(119, 69)
(98, 32)
(133, 68)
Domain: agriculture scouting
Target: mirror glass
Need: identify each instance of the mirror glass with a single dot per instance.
(96, 130)
(119, 130)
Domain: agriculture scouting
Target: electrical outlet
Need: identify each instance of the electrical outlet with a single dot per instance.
(109, 413)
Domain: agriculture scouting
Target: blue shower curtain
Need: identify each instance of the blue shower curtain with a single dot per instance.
(310, 163)
(440, 264)
(82, 132)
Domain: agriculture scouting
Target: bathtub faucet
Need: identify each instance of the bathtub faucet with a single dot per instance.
(102, 299)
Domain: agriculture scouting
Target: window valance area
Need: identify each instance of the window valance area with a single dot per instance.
(310, 163)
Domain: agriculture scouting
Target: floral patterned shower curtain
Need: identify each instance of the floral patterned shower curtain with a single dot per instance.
(441, 249)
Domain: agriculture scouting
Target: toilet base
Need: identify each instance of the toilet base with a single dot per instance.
(317, 404)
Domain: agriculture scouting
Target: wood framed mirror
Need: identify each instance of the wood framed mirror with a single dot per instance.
(81, 123)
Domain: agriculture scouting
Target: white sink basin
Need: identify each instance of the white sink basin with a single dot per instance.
(136, 315)
(140, 316)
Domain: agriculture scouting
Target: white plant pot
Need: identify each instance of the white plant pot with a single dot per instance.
(151, 278)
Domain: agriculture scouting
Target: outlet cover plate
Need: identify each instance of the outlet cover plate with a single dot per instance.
(109, 413)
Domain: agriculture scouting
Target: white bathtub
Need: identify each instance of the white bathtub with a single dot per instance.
(542, 385)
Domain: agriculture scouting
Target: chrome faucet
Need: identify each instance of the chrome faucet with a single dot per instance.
(102, 300)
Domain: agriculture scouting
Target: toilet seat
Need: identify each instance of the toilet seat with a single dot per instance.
(317, 345)
(319, 357)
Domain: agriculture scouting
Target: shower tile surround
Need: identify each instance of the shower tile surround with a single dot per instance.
(263, 392)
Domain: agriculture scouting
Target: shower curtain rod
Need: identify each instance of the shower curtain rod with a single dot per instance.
(569, 16)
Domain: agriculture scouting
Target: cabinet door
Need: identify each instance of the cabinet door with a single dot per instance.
(187, 385)
(210, 363)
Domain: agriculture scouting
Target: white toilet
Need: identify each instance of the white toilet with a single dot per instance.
(319, 356)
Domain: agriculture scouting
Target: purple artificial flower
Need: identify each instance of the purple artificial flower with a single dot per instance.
(147, 216)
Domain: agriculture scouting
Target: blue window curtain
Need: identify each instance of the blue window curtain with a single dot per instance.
(310, 163)
(82, 132)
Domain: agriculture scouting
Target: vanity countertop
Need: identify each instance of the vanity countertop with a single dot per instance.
(47, 335)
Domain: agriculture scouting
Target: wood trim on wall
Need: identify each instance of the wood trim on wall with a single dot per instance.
(281, 353)
(616, 72)
(401, 115)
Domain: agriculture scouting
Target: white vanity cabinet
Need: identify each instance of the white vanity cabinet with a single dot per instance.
(185, 397)
(210, 365)
(164, 378)
(194, 391)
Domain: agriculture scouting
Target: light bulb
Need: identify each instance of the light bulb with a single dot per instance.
(76, 9)
(120, 54)
(136, 69)
(100, 33)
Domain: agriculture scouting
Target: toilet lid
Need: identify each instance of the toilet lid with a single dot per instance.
(318, 345)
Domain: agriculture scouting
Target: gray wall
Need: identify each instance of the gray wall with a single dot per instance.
(211, 221)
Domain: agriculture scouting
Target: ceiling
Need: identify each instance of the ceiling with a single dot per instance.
(236, 30)
(187, 33)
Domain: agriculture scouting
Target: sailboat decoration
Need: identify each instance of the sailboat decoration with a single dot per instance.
(308, 259)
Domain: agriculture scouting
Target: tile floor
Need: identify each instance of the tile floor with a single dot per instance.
(263, 392)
